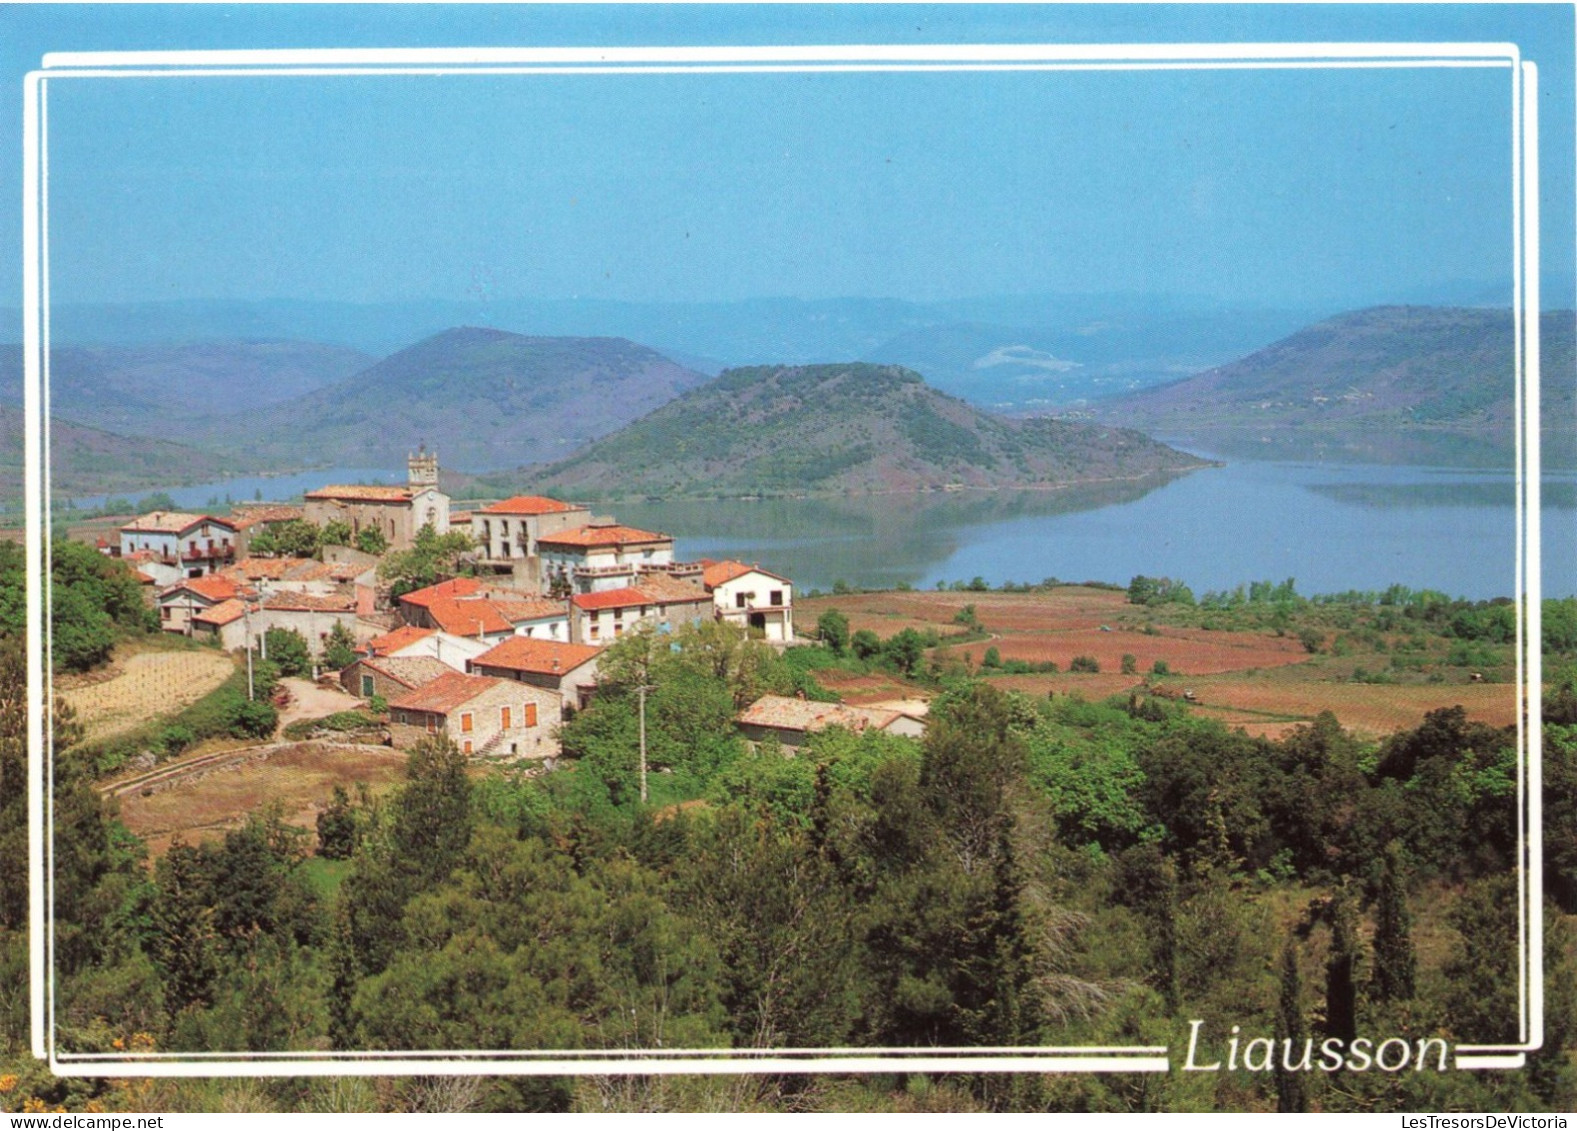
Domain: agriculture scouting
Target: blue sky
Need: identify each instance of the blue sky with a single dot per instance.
(1307, 188)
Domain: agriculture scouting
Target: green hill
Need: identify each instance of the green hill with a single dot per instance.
(1387, 384)
(851, 427)
(480, 398)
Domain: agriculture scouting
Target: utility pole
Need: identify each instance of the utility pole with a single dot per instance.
(641, 691)
(246, 612)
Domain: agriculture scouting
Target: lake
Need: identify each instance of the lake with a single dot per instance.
(1331, 526)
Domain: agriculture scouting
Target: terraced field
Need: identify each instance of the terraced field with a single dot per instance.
(144, 685)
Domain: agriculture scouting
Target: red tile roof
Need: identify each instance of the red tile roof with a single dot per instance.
(467, 617)
(243, 518)
(402, 637)
(225, 612)
(214, 587)
(545, 657)
(449, 691)
(665, 590)
(309, 602)
(361, 493)
(714, 574)
(612, 599)
(444, 590)
(528, 505)
(171, 522)
(529, 608)
(613, 535)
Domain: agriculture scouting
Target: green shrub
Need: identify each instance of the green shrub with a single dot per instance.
(1161, 667)
(1084, 664)
(1130, 664)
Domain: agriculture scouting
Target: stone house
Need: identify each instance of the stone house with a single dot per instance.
(311, 614)
(224, 622)
(182, 601)
(569, 670)
(752, 598)
(391, 676)
(399, 512)
(791, 720)
(248, 520)
(507, 533)
(484, 716)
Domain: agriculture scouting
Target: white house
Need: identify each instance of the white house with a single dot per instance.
(601, 556)
(196, 544)
(751, 597)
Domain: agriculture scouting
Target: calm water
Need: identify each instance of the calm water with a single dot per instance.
(1330, 526)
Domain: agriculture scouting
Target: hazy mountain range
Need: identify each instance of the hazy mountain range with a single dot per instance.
(1386, 384)
(1421, 384)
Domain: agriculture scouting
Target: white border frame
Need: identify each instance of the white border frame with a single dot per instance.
(73, 66)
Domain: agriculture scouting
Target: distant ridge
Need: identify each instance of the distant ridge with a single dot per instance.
(481, 398)
(91, 461)
(853, 427)
(1387, 384)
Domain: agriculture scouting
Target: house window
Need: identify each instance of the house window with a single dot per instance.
(367, 689)
(432, 724)
(465, 722)
(503, 718)
(777, 596)
(466, 748)
(165, 612)
(739, 600)
(593, 633)
(531, 714)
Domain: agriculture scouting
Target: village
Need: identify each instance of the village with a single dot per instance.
(496, 657)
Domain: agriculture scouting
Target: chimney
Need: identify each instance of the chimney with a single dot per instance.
(555, 663)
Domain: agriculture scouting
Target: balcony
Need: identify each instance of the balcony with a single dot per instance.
(218, 553)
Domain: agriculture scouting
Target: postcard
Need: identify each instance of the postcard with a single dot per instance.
(784, 558)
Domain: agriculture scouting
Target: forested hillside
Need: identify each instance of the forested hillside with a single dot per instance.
(841, 428)
(1033, 872)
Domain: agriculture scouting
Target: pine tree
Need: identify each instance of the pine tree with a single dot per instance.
(1394, 961)
(184, 942)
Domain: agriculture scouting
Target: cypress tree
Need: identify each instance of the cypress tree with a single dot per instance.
(1394, 961)
(1341, 970)
(1291, 1034)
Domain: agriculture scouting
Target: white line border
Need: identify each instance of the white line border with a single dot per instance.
(745, 60)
